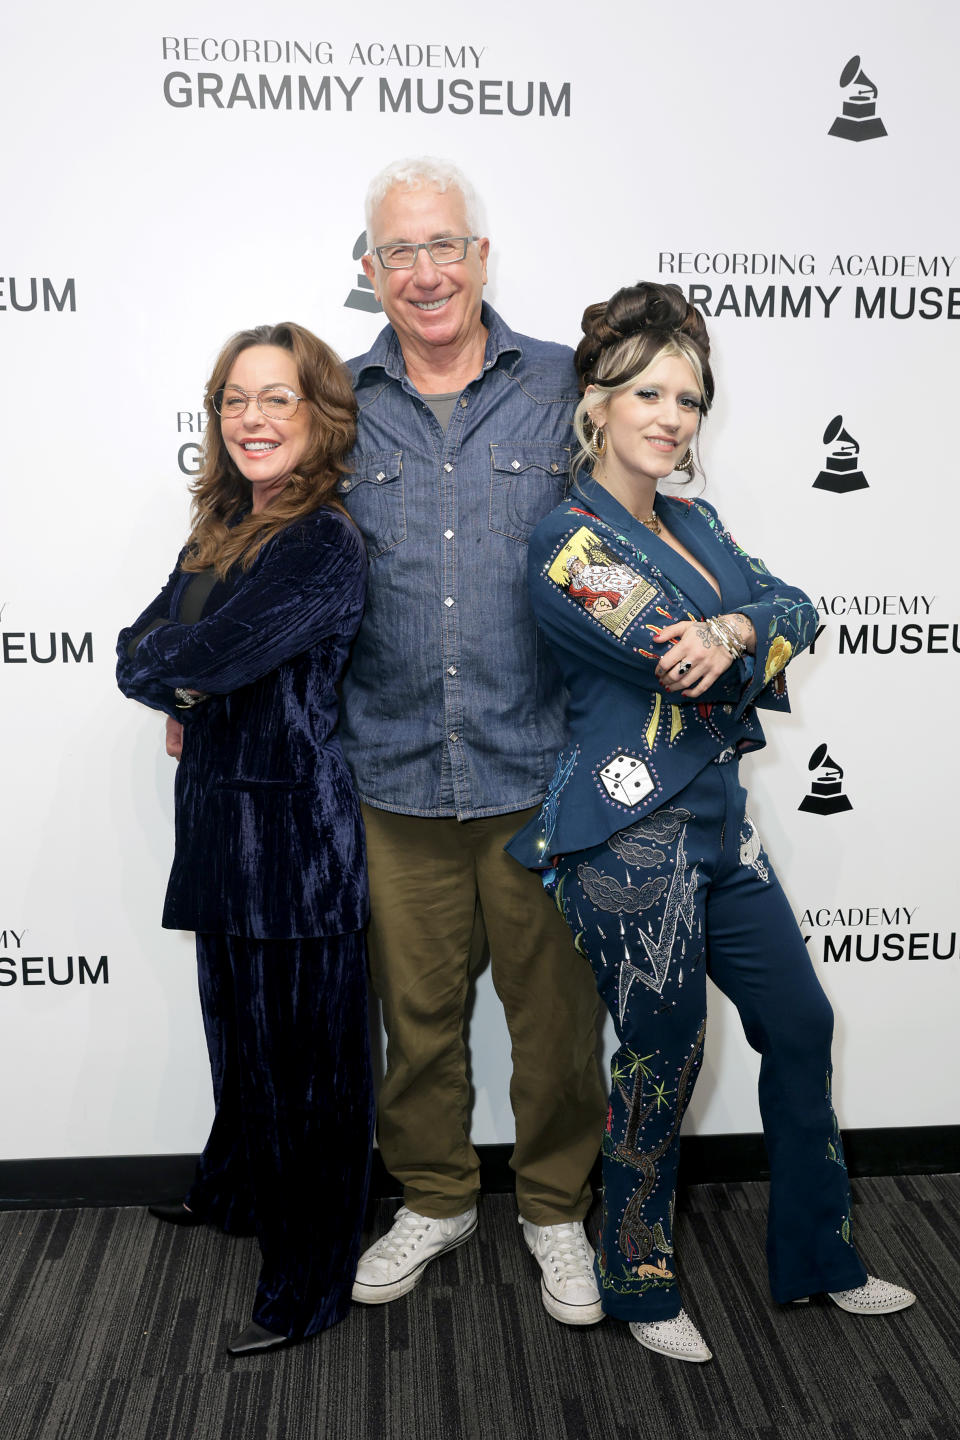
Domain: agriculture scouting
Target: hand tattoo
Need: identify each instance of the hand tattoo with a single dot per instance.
(704, 636)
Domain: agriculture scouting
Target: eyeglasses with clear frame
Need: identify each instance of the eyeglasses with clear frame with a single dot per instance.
(277, 402)
(445, 251)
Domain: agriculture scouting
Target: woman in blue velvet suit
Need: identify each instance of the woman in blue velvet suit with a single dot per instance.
(670, 638)
(243, 649)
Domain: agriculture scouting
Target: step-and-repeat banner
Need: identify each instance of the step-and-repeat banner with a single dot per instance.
(175, 172)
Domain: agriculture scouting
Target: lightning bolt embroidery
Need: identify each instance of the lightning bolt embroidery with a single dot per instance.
(679, 906)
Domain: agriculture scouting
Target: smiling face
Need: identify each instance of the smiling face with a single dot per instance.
(265, 449)
(648, 427)
(428, 305)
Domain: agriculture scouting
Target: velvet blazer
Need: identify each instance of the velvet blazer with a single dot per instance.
(602, 586)
(269, 840)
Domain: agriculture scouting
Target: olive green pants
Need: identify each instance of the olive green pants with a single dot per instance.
(433, 882)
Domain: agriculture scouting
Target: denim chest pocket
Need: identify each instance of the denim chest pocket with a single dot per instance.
(527, 479)
(373, 495)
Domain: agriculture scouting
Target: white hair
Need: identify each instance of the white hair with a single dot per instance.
(414, 174)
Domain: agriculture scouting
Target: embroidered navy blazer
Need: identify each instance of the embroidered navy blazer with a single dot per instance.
(269, 840)
(602, 585)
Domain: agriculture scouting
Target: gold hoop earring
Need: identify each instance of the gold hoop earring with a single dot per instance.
(599, 441)
(686, 464)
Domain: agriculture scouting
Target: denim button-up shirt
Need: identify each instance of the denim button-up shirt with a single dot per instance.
(452, 704)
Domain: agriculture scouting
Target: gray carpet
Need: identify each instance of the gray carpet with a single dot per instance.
(113, 1327)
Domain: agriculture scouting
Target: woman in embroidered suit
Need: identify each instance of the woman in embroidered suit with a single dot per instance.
(644, 836)
(242, 650)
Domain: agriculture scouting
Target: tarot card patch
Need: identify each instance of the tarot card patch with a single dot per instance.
(599, 581)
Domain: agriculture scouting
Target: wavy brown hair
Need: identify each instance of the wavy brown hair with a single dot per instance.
(624, 336)
(220, 492)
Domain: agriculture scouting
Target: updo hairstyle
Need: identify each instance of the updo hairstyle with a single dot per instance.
(623, 337)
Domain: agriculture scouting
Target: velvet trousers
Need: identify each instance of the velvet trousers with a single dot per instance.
(435, 885)
(288, 1157)
(684, 893)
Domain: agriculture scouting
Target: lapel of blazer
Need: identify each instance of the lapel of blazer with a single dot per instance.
(692, 529)
(657, 552)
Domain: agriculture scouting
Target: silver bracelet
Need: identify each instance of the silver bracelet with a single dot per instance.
(185, 700)
(726, 636)
(735, 636)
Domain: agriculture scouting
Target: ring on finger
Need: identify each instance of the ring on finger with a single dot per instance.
(685, 667)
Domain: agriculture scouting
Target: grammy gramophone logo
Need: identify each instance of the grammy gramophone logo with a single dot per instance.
(859, 120)
(362, 298)
(826, 795)
(841, 471)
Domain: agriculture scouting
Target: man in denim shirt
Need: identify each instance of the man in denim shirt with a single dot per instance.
(453, 717)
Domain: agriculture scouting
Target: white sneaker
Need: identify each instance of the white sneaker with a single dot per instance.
(877, 1297)
(678, 1338)
(395, 1262)
(568, 1286)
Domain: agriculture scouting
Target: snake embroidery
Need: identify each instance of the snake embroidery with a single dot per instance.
(636, 1240)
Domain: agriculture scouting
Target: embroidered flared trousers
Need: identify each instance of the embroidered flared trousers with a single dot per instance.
(685, 893)
(289, 1152)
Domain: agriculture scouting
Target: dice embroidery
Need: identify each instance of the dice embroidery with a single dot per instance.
(626, 780)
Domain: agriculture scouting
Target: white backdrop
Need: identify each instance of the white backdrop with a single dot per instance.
(142, 227)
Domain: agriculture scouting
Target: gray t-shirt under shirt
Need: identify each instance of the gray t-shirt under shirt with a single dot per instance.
(442, 406)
